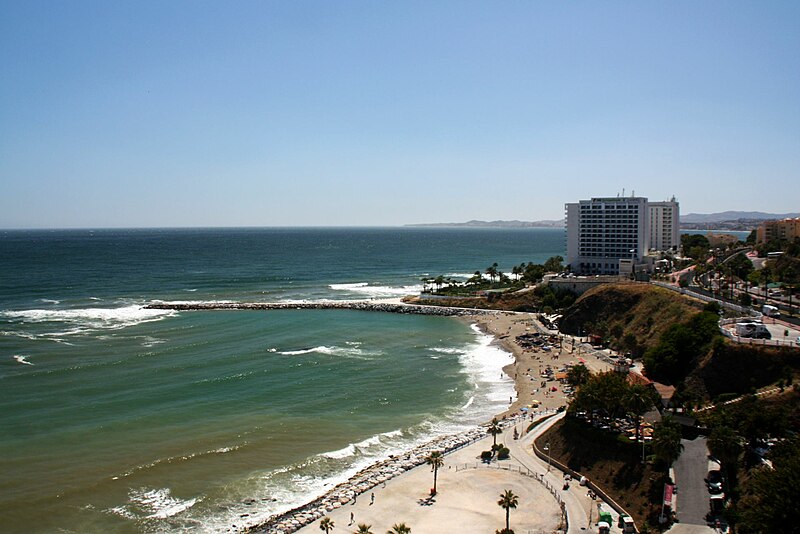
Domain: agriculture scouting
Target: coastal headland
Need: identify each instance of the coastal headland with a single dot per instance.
(535, 398)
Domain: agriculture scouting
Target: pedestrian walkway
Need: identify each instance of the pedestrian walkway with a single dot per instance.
(581, 508)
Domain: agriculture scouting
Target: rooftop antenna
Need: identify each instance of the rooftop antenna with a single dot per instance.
(633, 193)
(623, 192)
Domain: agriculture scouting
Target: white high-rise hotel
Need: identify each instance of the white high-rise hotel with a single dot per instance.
(611, 235)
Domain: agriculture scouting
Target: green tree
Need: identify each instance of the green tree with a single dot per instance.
(554, 264)
(508, 501)
(439, 282)
(399, 528)
(476, 279)
(695, 246)
(740, 266)
(436, 460)
(326, 524)
(494, 429)
(666, 442)
(578, 375)
(669, 360)
(533, 273)
(638, 400)
(769, 502)
(363, 529)
(492, 271)
(725, 444)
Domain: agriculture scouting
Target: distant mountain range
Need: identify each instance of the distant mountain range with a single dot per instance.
(726, 220)
(498, 224)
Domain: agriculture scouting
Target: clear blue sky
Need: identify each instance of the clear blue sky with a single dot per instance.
(274, 113)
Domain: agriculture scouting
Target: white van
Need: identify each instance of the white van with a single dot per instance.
(770, 311)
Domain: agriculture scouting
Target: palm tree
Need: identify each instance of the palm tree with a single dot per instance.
(492, 271)
(435, 460)
(725, 444)
(399, 528)
(667, 441)
(439, 282)
(637, 401)
(508, 501)
(363, 529)
(494, 429)
(326, 524)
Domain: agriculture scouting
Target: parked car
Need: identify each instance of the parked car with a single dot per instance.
(714, 482)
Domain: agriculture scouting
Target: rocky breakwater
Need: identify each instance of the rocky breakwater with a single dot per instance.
(362, 305)
(367, 479)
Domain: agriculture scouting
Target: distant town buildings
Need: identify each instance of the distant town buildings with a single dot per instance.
(786, 229)
(612, 236)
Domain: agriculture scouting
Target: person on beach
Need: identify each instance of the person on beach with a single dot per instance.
(372, 499)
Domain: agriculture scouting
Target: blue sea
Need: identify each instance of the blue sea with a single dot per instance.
(115, 418)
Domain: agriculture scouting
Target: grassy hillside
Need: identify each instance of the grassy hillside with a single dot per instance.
(616, 467)
(629, 316)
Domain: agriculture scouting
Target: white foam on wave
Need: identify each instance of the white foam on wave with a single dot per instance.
(349, 286)
(364, 288)
(22, 359)
(468, 403)
(350, 450)
(465, 276)
(182, 458)
(50, 301)
(191, 302)
(90, 318)
(152, 503)
(346, 352)
(447, 350)
(483, 362)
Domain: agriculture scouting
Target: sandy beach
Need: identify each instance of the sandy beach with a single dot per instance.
(529, 362)
(397, 490)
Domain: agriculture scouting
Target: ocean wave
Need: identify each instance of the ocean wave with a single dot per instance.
(83, 319)
(191, 302)
(349, 286)
(483, 362)
(50, 301)
(350, 450)
(447, 350)
(181, 458)
(347, 352)
(152, 504)
(364, 288)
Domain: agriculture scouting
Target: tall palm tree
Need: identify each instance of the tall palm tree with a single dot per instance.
(667, 441)
(492, 271)
(326, 524)
(494, 429)
(363, 529)
(508, 501)
(638, 401)
(435, 460)
(399, 528)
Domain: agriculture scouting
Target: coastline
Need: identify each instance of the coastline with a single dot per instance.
(531, 400)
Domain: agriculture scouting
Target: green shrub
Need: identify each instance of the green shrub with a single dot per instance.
(503, 453)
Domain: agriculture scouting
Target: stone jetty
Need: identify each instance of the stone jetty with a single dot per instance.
(361, 305)
(367, 479)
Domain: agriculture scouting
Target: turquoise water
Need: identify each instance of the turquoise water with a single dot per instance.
(119, 419)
